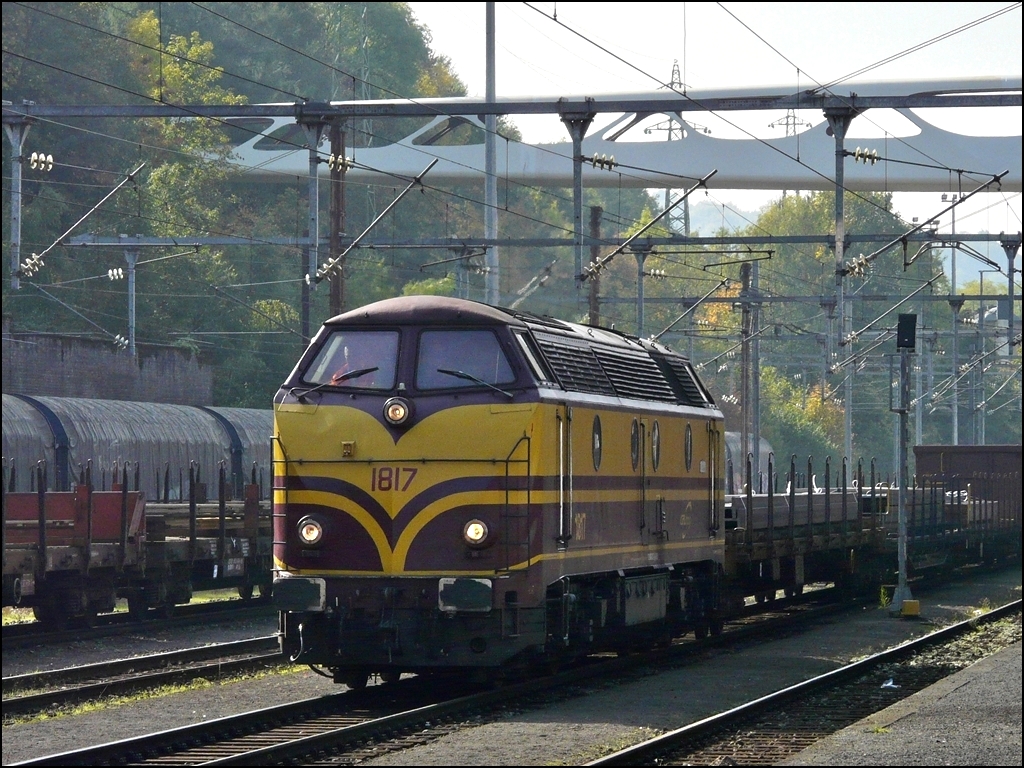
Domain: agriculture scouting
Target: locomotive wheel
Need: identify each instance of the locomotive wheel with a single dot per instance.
(390, 677)
(700, 631)
(245, 591)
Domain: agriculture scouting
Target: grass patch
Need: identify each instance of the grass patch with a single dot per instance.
(199, 684)
(983, 608)
(12, 616)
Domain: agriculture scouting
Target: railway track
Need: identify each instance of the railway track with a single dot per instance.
(776, 727)
(31, 693)
(352, 725)
(111, 625)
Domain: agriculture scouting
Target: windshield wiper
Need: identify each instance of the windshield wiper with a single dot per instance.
(352, 375)
(334, 381)
(471, 377)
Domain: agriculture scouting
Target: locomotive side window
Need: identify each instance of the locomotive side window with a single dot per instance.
(533, 358)
(450, 359)
(360, 359)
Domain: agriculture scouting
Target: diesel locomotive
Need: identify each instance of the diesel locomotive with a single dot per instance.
(464, 487)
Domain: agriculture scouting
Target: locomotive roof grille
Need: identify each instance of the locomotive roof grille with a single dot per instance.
(693, 394)
(598, 369)
(574, 364)
(634, 374)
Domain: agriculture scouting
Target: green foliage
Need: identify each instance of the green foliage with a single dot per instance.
(435, 286)
(238, 308)
(793, 421)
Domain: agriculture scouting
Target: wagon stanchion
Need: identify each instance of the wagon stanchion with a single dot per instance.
(810, 503)
(124, 516)
(913, 501)
(792, 500)
(191, 513)
(874, 492)
(3, 507)
(771, 504)
(167, 482)
(88, 515)
(41, 501)
(828, 502)
(221, 518)
(846, 505)
(748, 535)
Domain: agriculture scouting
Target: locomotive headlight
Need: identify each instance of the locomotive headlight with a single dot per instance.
(475, 532)
(310, 531)
(397, 410)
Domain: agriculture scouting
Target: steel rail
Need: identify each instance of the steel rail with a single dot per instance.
(109, 625)
(647, 752)
(296, 717)
(122, 676)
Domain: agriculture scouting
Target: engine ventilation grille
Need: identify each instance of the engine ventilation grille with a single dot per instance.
(692, 392)
(574, 364)
(634, 374)
(582, 366)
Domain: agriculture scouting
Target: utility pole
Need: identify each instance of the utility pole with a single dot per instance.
(577, 123)
(906, 332)
(755, 383)
(304, 292)
(595, 254)
(745, 409)
(492, 277)
(16, 134)
(641, 252)
(955, 304)
(838, 123)
(337, 216)
(366, 93)
(132, 257)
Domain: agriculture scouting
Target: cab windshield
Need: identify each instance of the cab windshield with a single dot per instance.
(450, 359)
(360, 359)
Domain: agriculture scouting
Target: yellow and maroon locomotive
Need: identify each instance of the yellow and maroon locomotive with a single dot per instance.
(460, 486)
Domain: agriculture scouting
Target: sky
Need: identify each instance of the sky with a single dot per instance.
(726, 45)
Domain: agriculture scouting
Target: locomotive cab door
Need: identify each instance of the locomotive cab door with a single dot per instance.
(565, 476)
(714, 452)
(641, 456)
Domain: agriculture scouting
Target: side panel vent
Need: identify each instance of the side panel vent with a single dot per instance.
(634, 374)
(693, 393)
(574, 364)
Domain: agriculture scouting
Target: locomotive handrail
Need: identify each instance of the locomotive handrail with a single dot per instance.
(509, 461)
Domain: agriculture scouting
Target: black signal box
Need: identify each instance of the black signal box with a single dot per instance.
(906, 332)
